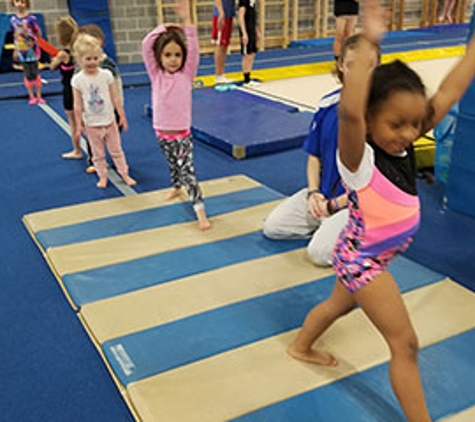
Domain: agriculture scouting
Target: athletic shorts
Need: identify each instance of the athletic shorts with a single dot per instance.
(222, 37)
(251, 46)
(345, 8)
(68, 102)
(30, 70)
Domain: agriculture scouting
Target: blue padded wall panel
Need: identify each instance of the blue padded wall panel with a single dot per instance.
(461, 186)
(97, 12)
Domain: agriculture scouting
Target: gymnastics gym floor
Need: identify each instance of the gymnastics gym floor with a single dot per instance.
(114, 307)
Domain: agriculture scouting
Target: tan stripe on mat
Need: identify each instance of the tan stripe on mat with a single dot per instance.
(468, 415)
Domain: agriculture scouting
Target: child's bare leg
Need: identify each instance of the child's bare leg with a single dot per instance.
(382, 302)
(102, 183)
(173, 193)
(317, 321)
(76, 152)
(203, 222)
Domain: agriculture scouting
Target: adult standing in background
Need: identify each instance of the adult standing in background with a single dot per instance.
(222, 27)
(346, 18)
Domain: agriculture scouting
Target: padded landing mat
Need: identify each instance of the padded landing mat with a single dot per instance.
(244, 124)
(194, 326)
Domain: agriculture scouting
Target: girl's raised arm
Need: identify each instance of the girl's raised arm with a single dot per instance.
(352, 108)
(148, 54)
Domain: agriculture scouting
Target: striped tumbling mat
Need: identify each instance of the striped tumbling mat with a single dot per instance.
(194, 326)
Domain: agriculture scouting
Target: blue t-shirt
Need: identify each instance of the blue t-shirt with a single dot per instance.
(229, 8)
(322, 142)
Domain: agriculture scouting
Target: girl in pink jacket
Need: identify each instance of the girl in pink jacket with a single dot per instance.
(171, 57)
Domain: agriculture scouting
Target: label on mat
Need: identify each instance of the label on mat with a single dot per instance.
(123, 359)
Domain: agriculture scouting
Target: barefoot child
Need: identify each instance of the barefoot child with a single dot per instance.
(66, 28)
(27, 49)
(95, 97)
(381, 114)
(105, 63)
(171, 57)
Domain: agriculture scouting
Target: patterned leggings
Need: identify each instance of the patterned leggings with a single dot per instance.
(178, 150)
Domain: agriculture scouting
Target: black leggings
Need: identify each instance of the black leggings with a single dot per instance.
(179, 155)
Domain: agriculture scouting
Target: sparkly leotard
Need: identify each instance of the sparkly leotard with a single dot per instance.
(384, 214)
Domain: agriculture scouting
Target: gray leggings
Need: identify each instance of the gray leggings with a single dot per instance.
(179, 154)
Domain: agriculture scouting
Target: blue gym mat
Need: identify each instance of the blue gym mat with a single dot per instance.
(248, 125)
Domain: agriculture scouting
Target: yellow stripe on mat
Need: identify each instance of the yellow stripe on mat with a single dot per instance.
(468, 415)
(136, 311)
(248, 378)
(128, 247)
(319, 68)
(66, 216)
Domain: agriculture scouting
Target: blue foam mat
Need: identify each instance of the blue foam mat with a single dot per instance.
(237, 324)
(248, 125)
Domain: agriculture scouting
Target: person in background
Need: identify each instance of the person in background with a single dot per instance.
(249, 36)
(66, 28)
(95, 99)
(105, 63)
(26, 32)
(346, 18)
(222, 27)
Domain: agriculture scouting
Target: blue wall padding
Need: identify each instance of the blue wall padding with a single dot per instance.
(431, 36)
(101, 283)
(368, 396)
(246, 121)
(461, 186)
(236, 325)
(96, 12)
(153, 218)
(4, 30)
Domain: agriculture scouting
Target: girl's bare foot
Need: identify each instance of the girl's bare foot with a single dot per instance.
(102, 183)
(313, 356)
(173, 193)
(72, 155)
(203, 222)
(128, 180)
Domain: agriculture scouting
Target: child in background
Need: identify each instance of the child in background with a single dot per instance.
(171, 58)
(447, 12)
(249, 34)
(66, 29)
(381, 114)
(27, 50)
(105, 63)
(346, 18)
(95, 98)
